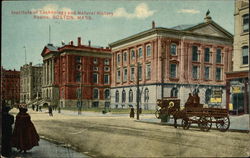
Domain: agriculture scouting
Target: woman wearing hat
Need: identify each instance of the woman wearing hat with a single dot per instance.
(24, 136)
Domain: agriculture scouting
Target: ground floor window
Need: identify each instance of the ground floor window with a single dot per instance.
(95, 104)
(174, 92)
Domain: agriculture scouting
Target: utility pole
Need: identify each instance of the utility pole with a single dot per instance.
(138, 93)
(49, 34)
(25, 55)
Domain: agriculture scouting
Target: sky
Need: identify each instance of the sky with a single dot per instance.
(25, 24)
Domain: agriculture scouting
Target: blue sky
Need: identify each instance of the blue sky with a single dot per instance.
(124, 18)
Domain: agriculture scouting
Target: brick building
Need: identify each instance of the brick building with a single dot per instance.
(10, 86)
(238, 79)
(75, 74)
(171, 62)
(30, 82)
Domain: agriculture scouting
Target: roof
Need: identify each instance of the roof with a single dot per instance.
(51, 47)
(183, 27)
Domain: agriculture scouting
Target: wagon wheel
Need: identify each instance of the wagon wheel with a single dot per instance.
(205, 123)
(223, 123)
(185, 124)
(157, 114)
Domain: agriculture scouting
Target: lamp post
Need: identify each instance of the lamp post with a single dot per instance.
(138, 93)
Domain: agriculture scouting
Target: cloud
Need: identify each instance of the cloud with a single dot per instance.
(189, 11)
(141, 12)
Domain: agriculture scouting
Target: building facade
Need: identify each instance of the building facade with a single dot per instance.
(77, 75)
(10, 86)
(238, 79)
(30, 82)
(171, 63)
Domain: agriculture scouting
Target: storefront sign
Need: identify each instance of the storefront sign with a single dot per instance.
(217, 93)
(236, 89)
(230, 106)
(215, 100)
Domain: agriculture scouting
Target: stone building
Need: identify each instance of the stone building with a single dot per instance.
(171, 62)
(10, 86)
(75, 74)
(30, 82)
(238, 79)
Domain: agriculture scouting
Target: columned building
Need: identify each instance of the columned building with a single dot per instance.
(238, 79)
(10, 86)
(172, 62)
(30, 83)
(77, 75)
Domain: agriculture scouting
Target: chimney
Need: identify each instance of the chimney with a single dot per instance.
(79, 41)
(89, 43)
(153, 24)
(71, 42)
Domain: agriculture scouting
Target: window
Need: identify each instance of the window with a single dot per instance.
(123, 96)
(140, 72)
(106, 62)
(95, 93)
(106, 78)
(208, 94)
(148, 51)
(173, 71)
(95, 68)
(125, 74)
(107, 94)
(245, 22)
(174, 92)
(130, 96)
(148, 71)
(118, 75)
(195, 72)
(95, 61)
(118, 59)
(173, 49)
(207, 73)
(78, 59)
(218, 73)
(117, 96)
(106, 69)
(78, 77)
(140, 52)
(125, 56)
(195, 53)
(218, 55)
(207, 55)
(245, 55)
(132, 73)
(95, 78)
(146, 95)
(132, 54)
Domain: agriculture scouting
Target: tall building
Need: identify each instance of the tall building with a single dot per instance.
(10, 86)
(30, 82)
(172, 62)
(76, 74)
(238, 80)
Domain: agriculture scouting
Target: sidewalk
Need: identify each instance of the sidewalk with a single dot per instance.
(237, 123)
(47, 149)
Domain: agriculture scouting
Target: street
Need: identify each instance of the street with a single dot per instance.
(120, 136)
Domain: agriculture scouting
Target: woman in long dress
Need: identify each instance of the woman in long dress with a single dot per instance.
(24, 136)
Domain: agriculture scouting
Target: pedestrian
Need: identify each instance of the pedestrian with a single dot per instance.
(59, 108)
(79, 107)
(132, 113)
(7, 121)
(40, 108)
(50, 111)
(33, 107)
(140, 110)
(36, 107)
(25, 136)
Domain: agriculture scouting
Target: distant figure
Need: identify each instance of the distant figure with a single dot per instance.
(37, 107)
(33, 107)
(132, 113)
(140, 110)
(190, 100)
(7, 121)
(24, 136)
(40, 108)
(79, 107)
(50, 111)
(59, 108)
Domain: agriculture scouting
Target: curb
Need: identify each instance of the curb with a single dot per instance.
(178, 125)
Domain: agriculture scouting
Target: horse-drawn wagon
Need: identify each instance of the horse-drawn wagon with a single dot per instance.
(193, 113)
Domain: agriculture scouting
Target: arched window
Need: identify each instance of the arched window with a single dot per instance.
(148, 50)
(146, 95)
(117, 96)
(245, 55)
(95, 93)
(123, 96)
(174, 92)
(107, 94)
(130, 95)
(208, 94)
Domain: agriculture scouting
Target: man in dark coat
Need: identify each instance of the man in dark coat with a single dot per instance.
(132, 113)
(7, 121)
(24, 136)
